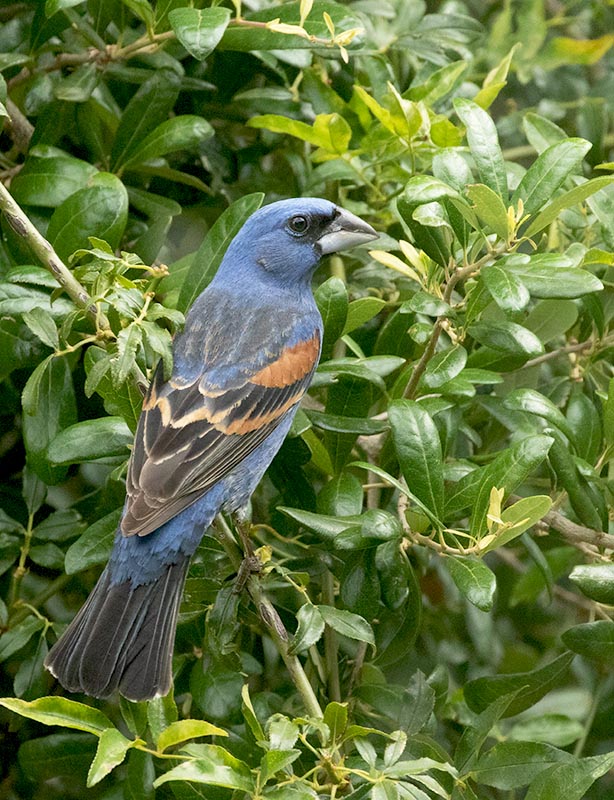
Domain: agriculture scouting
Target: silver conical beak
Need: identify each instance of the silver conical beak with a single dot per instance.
(345, 231)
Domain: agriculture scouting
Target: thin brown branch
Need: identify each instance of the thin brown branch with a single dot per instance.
(19, 127)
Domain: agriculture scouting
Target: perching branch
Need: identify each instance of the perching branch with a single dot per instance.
(43, 250)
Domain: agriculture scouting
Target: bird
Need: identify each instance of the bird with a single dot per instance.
(204, 439)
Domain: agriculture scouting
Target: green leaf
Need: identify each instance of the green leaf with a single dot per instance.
(510, 765)
(209, 255)
(422, 189)
(532, 686)
(90, 440)
(507, 337)
(199, 30)
(275, 761)
(111, 751)
(475, 581)
(49, 181)
(507, 290)
(60, 711)
(397, 580)
(49, 406)
(53, 6)
(551, 318)
(329, 131)
(141, 9)
(147, 109)
(79, 85)
(336, 717)
(594, 640)
(339, 424)
(484, 145)
(568, 199)
(548, 172)
(342, 496)
(427, 304)
(556, 729)
(532, 402)
(309, 629)
(595, 581)
(179, 133)
(247, 39)
(418, 448)
(347, 624)
(570, 781)
(93, 546)
(490, 209)
(444, 366)
(544, 277)
(332, 301)
(12, 640)
(100, 209)
(475, 734)
(42, 325)
(184, 729)
(520, 516)
(541, 132)
(361, 311)
(129, 340)
(212, 765)
(508, 470)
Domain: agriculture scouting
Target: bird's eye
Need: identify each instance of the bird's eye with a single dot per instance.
(299, 224)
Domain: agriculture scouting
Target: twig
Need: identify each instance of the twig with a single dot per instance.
(271, 618)
(578, 347)
(22, 226)
(21, 129)
(331, 649)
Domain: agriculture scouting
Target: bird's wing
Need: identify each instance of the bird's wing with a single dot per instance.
(193, 433)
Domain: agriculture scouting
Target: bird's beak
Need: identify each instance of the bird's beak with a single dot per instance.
(345, 231)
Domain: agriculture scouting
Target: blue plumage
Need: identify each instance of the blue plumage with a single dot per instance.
(204, 440)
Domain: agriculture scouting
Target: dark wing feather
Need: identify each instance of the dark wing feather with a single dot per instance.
(192, 434)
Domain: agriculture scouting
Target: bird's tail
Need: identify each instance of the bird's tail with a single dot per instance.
(122, 638)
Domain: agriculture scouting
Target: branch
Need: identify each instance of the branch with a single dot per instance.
(43, 250)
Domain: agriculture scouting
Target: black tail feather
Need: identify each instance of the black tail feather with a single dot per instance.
(122, 638)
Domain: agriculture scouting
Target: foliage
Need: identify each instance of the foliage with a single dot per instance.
(433, 614)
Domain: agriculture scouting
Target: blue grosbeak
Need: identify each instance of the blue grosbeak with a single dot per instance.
(205, 438)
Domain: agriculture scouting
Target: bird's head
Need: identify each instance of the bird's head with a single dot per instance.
(284, 241)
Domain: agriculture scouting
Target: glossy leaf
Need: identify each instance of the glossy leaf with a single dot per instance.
(309, 629)
(570, 781)
(178, 133)
(112, 749)
(90, 440)
(507, 337)
(60, 711)
(548, 172)
(48, 181)
(490, 209)
(212, 765)
(100, 209)
(595, 581)
(347, 624)
(93, 546)
(475, 581)
(418, 448)
(507, 290)
(444, 367)
(199, 30)
(184, 729)
(484, 145)
(594, 640)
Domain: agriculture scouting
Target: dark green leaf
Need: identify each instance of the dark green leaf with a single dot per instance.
(14, 639)
(593, 640)
(595, 581)
(507, 337)
(347, 624)
(100, 209)
(332, 300)
(475, 581)
(93, 546)
(90, 440)
(309, 630)
(510, 765)
(147, 109)
(444, 366)
(532, 686)
(50, 180)
(178, 133)
(418, 448)
(570, 781)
